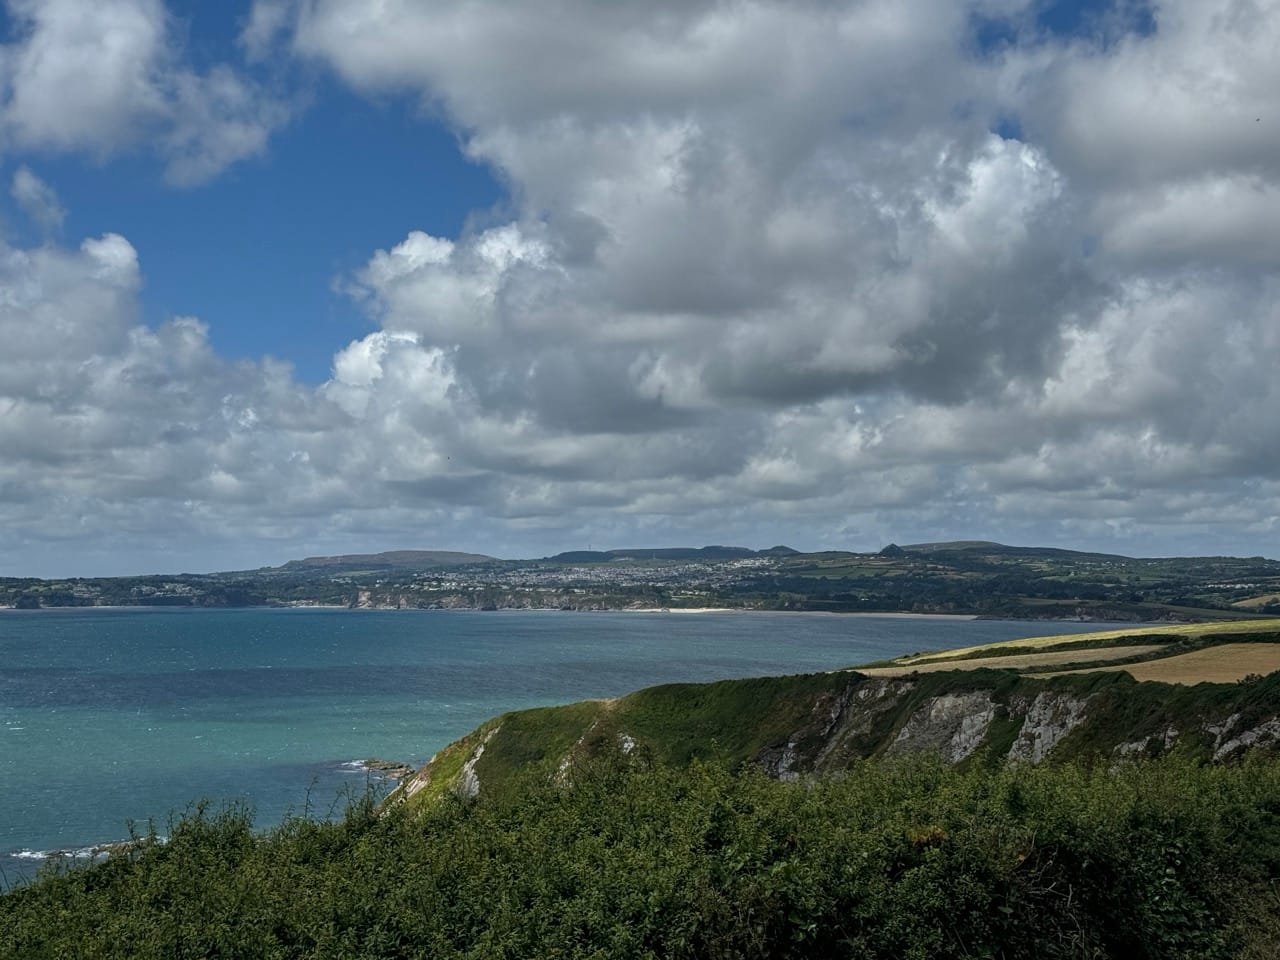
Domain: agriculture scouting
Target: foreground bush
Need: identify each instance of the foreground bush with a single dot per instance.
(1158, 860)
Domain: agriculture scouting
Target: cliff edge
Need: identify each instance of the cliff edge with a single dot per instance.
(814, 724)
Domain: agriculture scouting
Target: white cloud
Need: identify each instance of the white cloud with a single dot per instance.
(84, 75)
(267, 20)
(215, 120)
(109, 75)
(1170, 139)
(1194, 96)
(37, 199)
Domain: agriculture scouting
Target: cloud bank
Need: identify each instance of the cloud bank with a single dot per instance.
(828, 273)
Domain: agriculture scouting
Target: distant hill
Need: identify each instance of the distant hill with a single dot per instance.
(991, 548)
(388, 560)
(954, 545)
(669, 553)
(779, 551)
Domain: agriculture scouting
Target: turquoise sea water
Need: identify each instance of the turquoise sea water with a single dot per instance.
(113, 715)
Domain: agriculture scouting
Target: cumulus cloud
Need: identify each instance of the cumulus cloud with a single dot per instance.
(128, 413)
(764, 204)
(110, 75)
(758, 218)
(826, 272)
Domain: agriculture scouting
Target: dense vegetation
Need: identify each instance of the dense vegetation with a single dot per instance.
(630, 858)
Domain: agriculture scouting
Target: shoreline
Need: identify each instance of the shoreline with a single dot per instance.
(333, 607)
(792, 613)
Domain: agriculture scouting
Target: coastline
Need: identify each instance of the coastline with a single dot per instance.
(896, 615)
(853, 614)
(393, 608)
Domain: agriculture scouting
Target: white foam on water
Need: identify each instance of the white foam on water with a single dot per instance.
(92, 852)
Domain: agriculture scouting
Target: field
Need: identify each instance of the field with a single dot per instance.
(1053, 658)
(1253, 603)
(1104, 638)
(1224, 663)
(1175, 653)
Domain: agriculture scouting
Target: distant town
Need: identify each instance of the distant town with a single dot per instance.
(968, 578)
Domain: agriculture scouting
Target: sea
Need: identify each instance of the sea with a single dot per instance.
(120, 719)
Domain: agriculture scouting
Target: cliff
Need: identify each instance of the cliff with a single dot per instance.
(813, 724)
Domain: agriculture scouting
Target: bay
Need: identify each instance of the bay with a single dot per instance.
(112, 716)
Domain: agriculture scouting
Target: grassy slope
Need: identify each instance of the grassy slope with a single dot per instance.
(736, 721)
(674, 723)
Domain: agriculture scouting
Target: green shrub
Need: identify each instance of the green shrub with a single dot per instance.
(911, 859)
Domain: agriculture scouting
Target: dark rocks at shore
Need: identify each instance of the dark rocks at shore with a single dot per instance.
(391, 769)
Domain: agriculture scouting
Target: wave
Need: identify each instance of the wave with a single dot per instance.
(383, 769)
(97, 851)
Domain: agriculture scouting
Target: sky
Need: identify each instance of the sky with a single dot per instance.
(294, 277)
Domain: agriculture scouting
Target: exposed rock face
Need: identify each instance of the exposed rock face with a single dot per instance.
(1162, 741)
(837, 724)
(419, 780)
(855, 716)
(1049, 719)
(780, 762)
(952, 725)
(468, 783)
(1219, 731)
(844, 726)
(1265, 734)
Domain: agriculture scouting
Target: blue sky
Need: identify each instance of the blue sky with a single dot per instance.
(255, 252)
(580, 272)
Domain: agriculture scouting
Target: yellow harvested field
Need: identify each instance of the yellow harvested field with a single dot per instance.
(1018, 662)
(1253, 602)
(1225, 663)
(1180, 631)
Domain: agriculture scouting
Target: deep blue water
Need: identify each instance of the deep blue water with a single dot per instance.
(110, 716)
